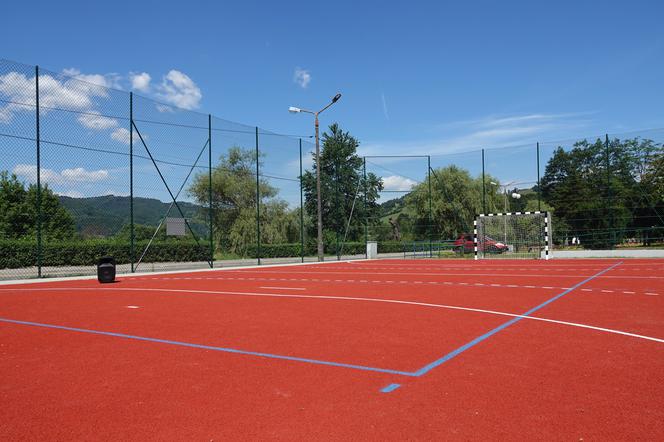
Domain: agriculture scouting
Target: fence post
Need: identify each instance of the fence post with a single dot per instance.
(301, 209)
(366, 211)
(539, 190)
(483, 186)
(430, 207)
(211, 213)
(258, 203)
(131, 181)
(337, 203)
(39, 208)
(609, 202)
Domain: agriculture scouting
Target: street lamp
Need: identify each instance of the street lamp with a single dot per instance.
(296, 110)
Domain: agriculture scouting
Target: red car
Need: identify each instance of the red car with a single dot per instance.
(465, 244)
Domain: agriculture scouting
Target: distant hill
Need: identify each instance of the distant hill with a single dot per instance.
(104, 216)
(393, 206)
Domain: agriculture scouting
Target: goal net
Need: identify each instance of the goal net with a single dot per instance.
(520, 235)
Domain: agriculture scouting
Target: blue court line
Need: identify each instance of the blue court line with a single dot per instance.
(490, 333)
(417, 373)
(390, 388)
(209, 347)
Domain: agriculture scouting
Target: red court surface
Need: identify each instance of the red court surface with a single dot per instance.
(364, 350)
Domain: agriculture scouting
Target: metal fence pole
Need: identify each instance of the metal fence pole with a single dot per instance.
(338, 202)
(483, 186)
(211, 213)
(609, 202)
(301, 208)
(39, 208)
(539, 190)
(366, 211)
(258, 203)
(430, 229)
(131, 181)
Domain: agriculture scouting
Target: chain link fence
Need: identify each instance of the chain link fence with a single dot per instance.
(89, 171)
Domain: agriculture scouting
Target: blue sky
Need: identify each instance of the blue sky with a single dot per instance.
(419, 78)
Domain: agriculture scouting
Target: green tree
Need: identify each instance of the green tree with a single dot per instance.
(342, 187)
(18, 212)
(456, 198)
(602, 192)
(234, 203)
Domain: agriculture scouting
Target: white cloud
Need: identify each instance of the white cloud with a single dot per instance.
(5, 114)
(71, 194)
(81, 175)
(111, 80)
(387, 115)
(121, 134)
(69, 94)
(487, 132)
(19, 90)
(399, 183)
(140, 82)
(302, 77)
(76, 91)
(178, 89)
(67, 176)
(164, 108)
(94, 120)
(115, 192)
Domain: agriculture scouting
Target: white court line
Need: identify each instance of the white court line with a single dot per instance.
(478, 284)
(521, 275)
(283, 288)
(345, 298)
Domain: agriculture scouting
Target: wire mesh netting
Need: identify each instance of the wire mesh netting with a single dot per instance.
(403, 223)
(605, 190)
(511, 236)
(282, 222)
(90, 170)
(18, 166)
(170, 167)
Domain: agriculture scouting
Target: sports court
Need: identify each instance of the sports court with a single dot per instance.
(366, 350)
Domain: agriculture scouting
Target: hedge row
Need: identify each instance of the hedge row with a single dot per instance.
(17, 254)
(291, 250)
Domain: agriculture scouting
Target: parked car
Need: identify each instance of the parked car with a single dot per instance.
(465, 244)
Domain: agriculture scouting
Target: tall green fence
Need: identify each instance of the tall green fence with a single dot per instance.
(88, 171)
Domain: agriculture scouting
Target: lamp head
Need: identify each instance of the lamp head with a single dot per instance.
(294, 110)
(336, 98)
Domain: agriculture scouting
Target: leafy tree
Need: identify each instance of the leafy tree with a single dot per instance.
(456, 198)
(234, 203)
(653, 177)
(144, 232)
(646, 195)
(18, 212)
(342, 185)
(15, 221)
(602, 192)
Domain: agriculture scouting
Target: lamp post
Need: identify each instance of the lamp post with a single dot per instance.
(296, 110)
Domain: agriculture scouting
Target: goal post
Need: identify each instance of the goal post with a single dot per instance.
(518, 235)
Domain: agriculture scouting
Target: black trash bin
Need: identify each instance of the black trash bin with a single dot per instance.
(106, 269)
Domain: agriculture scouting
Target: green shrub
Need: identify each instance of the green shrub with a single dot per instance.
(276, 250)
(391, 247)
(17, 254)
